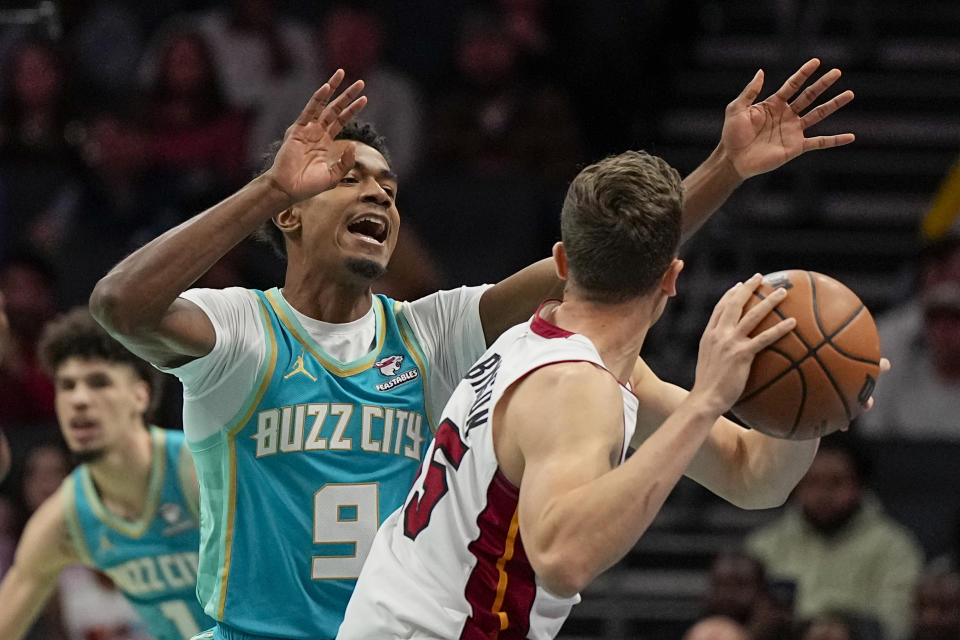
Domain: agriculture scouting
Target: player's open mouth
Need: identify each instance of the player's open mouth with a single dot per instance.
(369, 227)
(83, 425)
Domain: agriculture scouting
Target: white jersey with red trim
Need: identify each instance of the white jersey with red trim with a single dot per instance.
(451, 563)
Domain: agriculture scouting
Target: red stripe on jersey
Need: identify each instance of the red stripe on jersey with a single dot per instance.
(502, 587)
(546, 329)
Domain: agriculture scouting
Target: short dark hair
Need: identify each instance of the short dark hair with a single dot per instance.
(75, 334)
(620, 225)
(362, 132)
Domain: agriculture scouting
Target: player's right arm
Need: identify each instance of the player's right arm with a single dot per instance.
(578, 513)
(45, 549)
(137, 301)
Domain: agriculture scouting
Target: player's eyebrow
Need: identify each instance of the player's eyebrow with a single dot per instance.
(383, 174)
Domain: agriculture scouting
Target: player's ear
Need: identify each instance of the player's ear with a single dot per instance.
(288, 220)
(141, 395)
(560, 260)
(669, 282)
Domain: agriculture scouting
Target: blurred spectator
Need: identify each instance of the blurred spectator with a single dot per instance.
(836, 625)
(105, 41)
(735, 584)
(44, 468)
(28, 284)
(619, 61)
(352, 38)
(38, 169)
(717, 628)
(124, 204)
(920, 397)
(835, 541)
(493, 120)
(936, 606)
(262, 55)
(195, 131)
(34, 109)
(738, 590)
(944, 211)
(526, 23)
(10, 525)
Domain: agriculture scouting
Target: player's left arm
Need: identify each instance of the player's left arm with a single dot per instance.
(756, 138)
(745, 467)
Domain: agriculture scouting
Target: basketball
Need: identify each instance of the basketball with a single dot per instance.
(817, 378)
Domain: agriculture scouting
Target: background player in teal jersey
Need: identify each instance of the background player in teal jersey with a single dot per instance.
(307, 407)
(130, 508)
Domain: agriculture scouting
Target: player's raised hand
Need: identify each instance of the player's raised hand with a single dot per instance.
(306, 163)
(763, 136)
(726, 348)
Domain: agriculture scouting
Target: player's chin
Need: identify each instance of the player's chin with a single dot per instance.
(87, 454)
(366, 268)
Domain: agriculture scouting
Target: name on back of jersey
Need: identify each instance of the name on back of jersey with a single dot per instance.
(327, 426)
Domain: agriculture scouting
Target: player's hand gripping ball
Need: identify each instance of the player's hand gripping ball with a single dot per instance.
(819, 377)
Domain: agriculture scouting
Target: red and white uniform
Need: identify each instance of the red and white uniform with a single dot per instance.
(450, 563)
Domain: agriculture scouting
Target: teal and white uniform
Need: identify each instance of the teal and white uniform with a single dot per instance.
(316, 455)
(153, 560)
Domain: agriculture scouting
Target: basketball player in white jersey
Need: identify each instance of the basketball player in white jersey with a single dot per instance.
(525, 495)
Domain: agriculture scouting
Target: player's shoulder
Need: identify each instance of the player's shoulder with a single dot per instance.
(566, 379)
(444, 299)
(46, 538)
(225, 296)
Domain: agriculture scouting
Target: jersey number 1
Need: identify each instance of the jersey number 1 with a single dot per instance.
(416, 514)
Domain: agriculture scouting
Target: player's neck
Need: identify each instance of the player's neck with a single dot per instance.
(122, 474)
(328, 300)
(616, 330)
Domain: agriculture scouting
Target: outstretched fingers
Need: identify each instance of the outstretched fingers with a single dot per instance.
(319, 98)
(814, 91)
(344, 107)
(817, 143)
(795, 82)
(826, 109)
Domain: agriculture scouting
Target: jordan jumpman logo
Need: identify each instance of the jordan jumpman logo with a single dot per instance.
(299, 368)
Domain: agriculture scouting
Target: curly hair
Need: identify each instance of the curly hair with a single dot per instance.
(76, 334)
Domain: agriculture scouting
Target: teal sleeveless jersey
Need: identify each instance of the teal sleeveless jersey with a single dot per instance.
(153, 561)
(294, 488)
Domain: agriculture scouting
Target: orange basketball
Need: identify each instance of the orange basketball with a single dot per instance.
(817, 378)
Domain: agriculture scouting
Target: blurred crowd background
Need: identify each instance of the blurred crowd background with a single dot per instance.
(121, 119)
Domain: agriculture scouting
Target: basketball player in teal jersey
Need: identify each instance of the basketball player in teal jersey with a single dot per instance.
(308, 408)
(130, 508)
